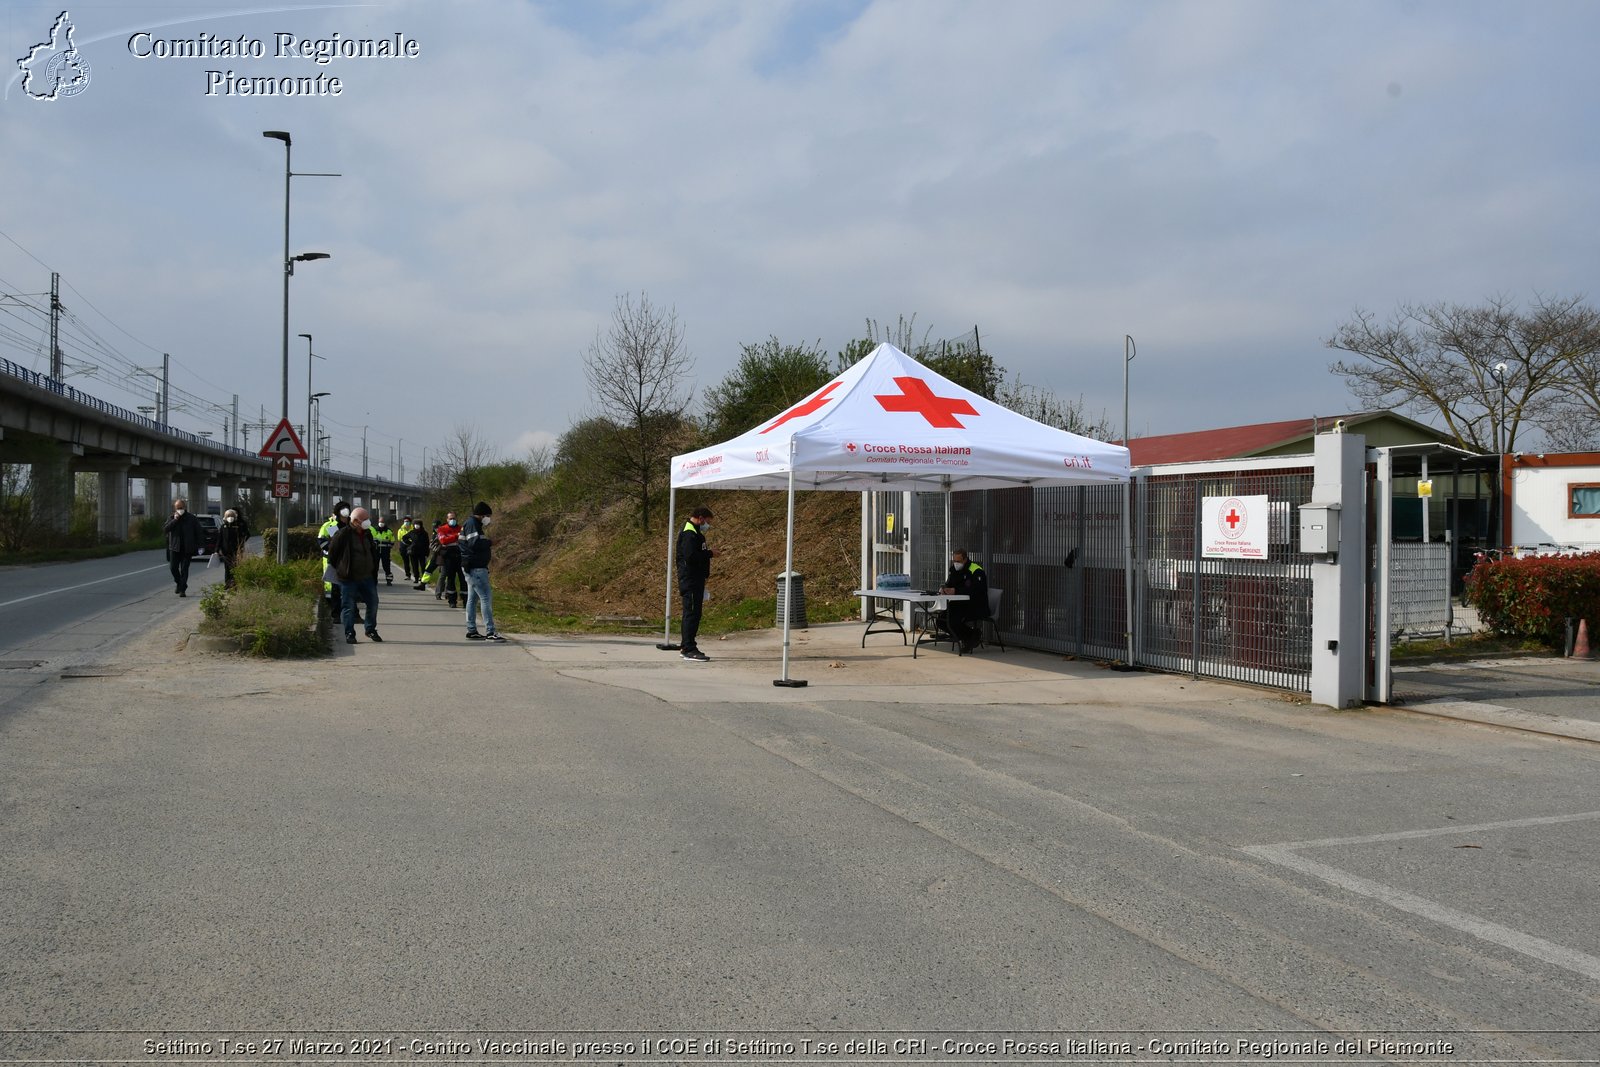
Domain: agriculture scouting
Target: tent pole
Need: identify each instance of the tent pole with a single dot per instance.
(947, 545)
(667, 644)
(788, 582)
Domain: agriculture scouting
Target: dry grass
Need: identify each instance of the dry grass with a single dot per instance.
(600, 564)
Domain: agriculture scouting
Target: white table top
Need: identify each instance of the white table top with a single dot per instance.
(909, 595)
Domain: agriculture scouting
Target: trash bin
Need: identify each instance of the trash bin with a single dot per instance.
(792, 600)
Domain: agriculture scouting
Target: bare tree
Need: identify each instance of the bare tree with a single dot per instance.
(1444, 360)
(451, 475)
(1043, 405)
(636, 369)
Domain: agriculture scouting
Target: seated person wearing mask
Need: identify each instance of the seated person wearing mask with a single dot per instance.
(966, 578)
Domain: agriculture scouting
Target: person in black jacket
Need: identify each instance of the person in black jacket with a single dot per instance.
(966, 577)
(694, 567)
(230, 543)
(476, 549)
(184, 539)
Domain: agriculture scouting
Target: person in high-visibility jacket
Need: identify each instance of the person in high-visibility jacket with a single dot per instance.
(405, 549)
(415, 543)
(967, 578)
(383, 539)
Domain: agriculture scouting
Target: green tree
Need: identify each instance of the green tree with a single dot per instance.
(770, 377)
(960, 359)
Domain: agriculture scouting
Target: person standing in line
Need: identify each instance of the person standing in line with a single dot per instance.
(405, 550)
(694, 567)
(184, 539)
(449, 534)
(383, 537)
(353, 555)
(230, 543)
(415, 542)
(475, 548)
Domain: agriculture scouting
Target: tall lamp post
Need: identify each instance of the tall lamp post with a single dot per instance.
(288, 272)
(310, 355)
(313, 432)
(1129, 351)
(1502, 441)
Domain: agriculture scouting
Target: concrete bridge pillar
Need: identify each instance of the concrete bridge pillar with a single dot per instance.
(200, 492)
(50, 477)
(228, 489)
(159, 490)
(116, 499)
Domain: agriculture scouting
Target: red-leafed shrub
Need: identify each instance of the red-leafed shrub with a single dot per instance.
(1535, 596)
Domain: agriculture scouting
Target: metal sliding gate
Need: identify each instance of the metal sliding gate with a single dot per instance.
(1057, 556)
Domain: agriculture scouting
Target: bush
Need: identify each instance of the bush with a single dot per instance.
(302, 542)
(1534, 597)
(271, 609)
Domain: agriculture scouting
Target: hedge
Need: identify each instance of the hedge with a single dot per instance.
(302, 542)
(271, 611)
(1535, 596)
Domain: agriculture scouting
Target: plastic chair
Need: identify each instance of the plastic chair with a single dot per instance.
(987, 627)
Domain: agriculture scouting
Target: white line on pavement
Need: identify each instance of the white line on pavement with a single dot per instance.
(1536, 947)
(1527, 944)
(1405, 835)
(85, 585)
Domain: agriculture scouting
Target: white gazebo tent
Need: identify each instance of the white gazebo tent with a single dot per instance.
(889, 423)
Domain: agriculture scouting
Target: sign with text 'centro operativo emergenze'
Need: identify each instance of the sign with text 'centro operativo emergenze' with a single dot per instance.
(1234, 527)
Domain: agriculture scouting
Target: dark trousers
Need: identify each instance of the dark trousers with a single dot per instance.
(383, 561)
(179, 562)
(693, 596)
(962, 619)
(405, 561)
(364, 591)
(452, 583)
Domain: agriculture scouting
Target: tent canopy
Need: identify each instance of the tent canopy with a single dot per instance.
(890, 423)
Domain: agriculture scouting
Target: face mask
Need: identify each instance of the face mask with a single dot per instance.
(704, 526)
(380, 526)
(228, 521)
(344, 513)
(487, 520)
(177, 511)
(366, 524)
(452, 522)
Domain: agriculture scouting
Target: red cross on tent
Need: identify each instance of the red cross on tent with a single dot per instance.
(805, 407)
(914, 395)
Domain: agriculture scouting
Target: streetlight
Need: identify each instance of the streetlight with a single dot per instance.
(313, 427)
(288, 272)
(1502, 440)
(1129, 351)
(310, 355)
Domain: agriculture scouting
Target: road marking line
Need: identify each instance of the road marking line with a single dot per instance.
(1405, 835)
(85, 585)
(1526, 944)
(1285, 855)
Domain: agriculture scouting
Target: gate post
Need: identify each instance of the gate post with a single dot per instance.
(1338, 575)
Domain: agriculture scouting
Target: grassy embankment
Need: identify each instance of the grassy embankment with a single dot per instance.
(593, 570)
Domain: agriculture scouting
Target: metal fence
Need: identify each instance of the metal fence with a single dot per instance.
(1057, 556)
(1419, 589)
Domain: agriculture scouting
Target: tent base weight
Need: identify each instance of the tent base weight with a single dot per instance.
(667, 646)
(789, 683)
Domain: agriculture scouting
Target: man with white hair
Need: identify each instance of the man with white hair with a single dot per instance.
(353, 555)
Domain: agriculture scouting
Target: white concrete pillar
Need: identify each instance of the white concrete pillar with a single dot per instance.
(116, 503)
(1338, 575)
(50, 479)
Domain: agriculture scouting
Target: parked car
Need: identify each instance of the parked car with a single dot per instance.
(211, 528)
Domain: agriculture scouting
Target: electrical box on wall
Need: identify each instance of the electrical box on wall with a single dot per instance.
(1319, 529)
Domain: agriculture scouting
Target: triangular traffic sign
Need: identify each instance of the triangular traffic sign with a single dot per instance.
(283, 444)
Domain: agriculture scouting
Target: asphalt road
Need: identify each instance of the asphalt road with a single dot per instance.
(431, 841)
(64, 616)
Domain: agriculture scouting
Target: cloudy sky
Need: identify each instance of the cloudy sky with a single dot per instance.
(1225, 181)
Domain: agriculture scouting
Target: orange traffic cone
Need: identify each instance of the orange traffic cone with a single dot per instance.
(1580, 648)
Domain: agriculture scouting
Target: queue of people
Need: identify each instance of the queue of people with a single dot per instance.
(451, 555)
